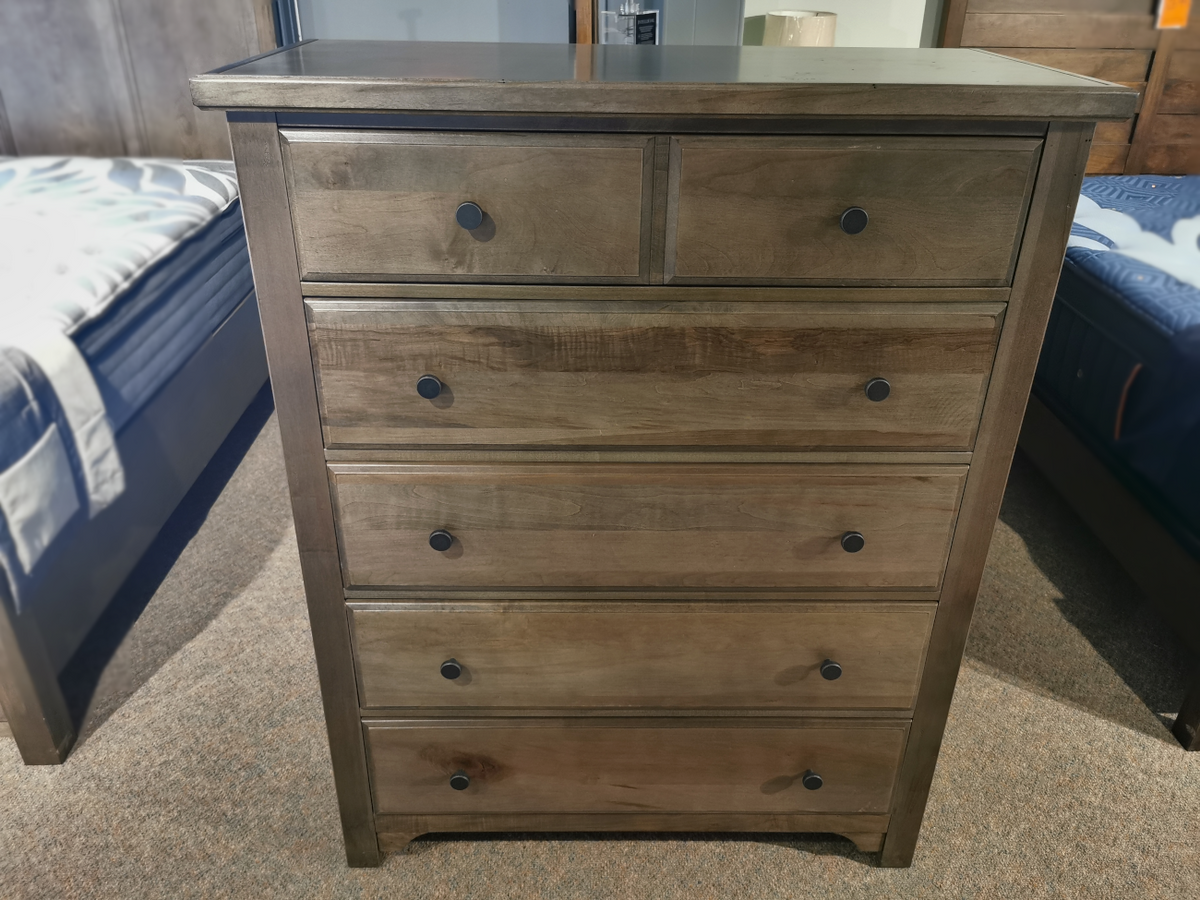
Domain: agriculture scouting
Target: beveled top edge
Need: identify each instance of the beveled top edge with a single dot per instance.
(666, 80)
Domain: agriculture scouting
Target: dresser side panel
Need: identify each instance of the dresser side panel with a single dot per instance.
(277, 280)
(1038, 267)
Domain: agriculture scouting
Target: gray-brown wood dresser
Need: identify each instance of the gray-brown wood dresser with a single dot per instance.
(647, 412)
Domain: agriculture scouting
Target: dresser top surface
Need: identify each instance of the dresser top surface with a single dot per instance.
(663, 80)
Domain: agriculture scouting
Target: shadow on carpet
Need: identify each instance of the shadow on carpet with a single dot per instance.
(115, 659)
(1073, 624)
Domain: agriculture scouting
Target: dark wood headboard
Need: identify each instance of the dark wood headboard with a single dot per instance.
(110, 77)
(1111, 39)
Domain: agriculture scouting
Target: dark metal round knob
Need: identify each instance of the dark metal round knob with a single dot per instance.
(470, 215)
(810, 780)
(878, 390)
(830, 670)
(428, 386)
(852, 542)
(441, 541)
(460, 782)
(451, 669)
(854, 220)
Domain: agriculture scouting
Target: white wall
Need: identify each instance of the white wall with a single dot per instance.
(861, 23)
(534, 21)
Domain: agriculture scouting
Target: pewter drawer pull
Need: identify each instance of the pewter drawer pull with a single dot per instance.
(877, 389)
(429, 386)
(441, 540)
(854, 220)
(469, 215)
(852, 541)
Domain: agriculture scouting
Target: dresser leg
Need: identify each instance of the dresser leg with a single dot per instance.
(866, 842)
(898, 849)
(364, 859)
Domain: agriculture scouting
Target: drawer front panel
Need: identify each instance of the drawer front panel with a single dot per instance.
(699, 655)
(383, 205)
(637, 374)
(633, 766)
(769, 210)
(553, 525)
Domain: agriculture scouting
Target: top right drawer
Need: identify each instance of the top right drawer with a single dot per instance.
(847, 210)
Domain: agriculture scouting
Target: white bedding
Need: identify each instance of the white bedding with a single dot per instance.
(75, 233)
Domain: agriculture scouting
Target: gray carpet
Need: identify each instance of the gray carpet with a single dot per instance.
(203, 768)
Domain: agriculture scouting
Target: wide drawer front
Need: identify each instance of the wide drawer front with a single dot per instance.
(863, 655)
(783, 375)
(657, 525)
(580, 765)
(840, 210)
(386, 205)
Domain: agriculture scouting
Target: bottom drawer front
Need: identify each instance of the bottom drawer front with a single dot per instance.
(629, 654)
(555, 765)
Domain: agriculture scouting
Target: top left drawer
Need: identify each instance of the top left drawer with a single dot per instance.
(402, 206)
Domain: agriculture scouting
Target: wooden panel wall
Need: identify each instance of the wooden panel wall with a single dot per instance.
(1111, 39)
(110, 77)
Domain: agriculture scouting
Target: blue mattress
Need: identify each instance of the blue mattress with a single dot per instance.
(1121, 360)
(167, 265)
(148, 334)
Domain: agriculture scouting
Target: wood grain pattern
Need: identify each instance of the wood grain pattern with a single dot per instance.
(585, 21)
(1121, 66)
(1107, 159)
(641, 655)
(1042, 248)
(168, 42)
(953, 14)
(648, 766)
(1173, 146)
(1140, 147)
(1181, 90)
(942, 210)
(611, 525)
(1127, 7)
(281, 308)
(1080, 30)
(1113, 133)
(110, 77)
(56, 102)
(613, 374)
(382, 205)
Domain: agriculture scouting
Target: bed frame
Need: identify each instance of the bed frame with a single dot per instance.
(1167, 574)
(163, 448)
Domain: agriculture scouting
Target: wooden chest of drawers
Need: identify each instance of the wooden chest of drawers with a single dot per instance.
(647, 413)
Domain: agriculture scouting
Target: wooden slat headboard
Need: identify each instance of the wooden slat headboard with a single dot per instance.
(1111, 39)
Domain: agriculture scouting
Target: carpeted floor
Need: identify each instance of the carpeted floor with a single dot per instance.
(203, 767)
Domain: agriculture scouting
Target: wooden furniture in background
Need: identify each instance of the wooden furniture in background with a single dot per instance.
(585, 22)
(1168, 575)
(110, 77)
(1111, 39)
(595, 533)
